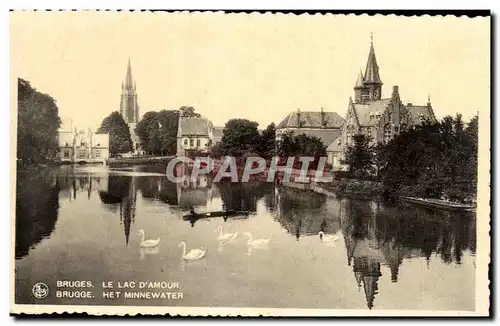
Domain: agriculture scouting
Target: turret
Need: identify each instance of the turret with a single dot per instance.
(372, 80)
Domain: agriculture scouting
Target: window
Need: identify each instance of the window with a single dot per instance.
(66, 145)
(82, 143)
(66, 154)
(98, 144)
(82, 154)
(97, 154)
(387, 133)
(185, 141)
(369, 132)
(403, 127)
(191, 142)
(198, 143)
(396, 130)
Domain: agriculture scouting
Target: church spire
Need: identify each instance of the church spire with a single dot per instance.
(128, 80)
(371, 73)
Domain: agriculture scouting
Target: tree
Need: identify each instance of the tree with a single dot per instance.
(157, 132)
(433, 160)
(359, 157)
(119, 133)
(239, 136)
(267, 143)
(188, 111)
(37, 125)
(290, 145)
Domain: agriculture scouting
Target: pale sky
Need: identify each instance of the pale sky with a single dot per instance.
(258, 66)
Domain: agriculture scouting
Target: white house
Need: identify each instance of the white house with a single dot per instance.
(194, 134)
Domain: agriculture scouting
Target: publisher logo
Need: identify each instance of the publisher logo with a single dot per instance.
(40, 290)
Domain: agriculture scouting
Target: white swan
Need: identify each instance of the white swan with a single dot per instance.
(328, 237)
(149, 243)
(226, 236)
(256, 242)
(193, 254)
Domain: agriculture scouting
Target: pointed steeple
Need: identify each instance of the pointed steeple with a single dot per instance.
(360, 80)
(371, 73)
(128, 80)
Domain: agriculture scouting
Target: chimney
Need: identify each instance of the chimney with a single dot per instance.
(298, 118)
(322, 118)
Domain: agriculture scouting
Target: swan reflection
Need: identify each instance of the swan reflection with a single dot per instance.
(149, 252)
(251, 249)
(223, 243)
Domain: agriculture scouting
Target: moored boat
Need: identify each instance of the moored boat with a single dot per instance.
(437, 203)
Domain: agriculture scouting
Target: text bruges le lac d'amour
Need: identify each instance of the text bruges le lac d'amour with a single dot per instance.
(120, 290)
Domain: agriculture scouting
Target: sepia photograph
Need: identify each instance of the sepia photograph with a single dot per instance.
(274, 164)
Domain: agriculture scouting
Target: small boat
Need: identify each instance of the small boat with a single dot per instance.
(193, 215)
(437, 203)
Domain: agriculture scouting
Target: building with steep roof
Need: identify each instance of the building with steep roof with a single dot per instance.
(193, 135)
(374, 116)
(369, 114)
(327, 126)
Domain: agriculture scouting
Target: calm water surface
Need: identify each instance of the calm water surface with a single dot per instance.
(81, 224)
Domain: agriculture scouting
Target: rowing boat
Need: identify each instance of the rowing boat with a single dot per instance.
(437, 203)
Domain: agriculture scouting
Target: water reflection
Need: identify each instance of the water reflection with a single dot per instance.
(37, 205)
(378, 239)
(376, 235)
(305, 214)
(149, 252)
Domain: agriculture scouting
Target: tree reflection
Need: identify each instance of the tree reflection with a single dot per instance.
(305, 213)
(37, 204)
(158, 188)
(243, 196)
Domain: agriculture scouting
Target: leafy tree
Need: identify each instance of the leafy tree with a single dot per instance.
(157, 132)
(267, 144)
(119, 133)
(37, 125)
(239, 136)
(359, 157)
(433, 160)
(188, 111)
(291, 145)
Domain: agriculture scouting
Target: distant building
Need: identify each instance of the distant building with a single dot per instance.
(217, 133)
(376, 117)
(194, 134)
(369, 114)
(79, 146)
(327, 126)
(129, 107)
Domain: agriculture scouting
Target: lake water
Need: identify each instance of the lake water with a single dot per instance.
(81, 223)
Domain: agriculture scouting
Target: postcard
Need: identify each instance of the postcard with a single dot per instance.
(250, 164)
